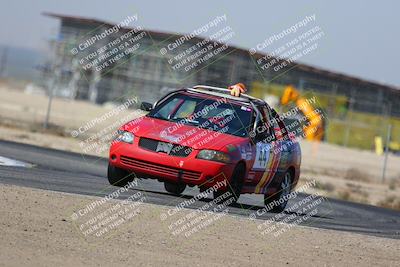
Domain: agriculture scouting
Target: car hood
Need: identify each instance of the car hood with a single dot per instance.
(182, 134)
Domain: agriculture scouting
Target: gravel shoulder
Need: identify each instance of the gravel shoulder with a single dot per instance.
(37, 229)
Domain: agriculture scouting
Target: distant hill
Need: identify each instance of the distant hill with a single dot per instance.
(21, 62)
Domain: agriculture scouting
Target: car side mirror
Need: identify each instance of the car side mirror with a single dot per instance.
(146, 106)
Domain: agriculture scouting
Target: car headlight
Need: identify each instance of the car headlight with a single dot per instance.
(214, 156)
(125, 136)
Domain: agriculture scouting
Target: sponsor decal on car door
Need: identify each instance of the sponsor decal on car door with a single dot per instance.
(266, 163)
(262, 156)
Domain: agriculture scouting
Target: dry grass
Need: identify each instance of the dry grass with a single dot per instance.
(345, 195)
(35, 127)
(329, 187)
(357, 189)
(353, 193)
(392, 185)
(354, 174)
(390, 202)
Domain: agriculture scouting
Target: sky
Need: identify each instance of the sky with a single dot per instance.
(361, 38)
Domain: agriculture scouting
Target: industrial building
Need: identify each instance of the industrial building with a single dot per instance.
(149, 74)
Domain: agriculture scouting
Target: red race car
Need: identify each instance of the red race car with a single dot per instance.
(203, 136)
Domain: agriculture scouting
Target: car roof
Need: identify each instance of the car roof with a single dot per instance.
(200, 94)
(223, 92)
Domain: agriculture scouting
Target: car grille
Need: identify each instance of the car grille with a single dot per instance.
(177, 150)
(148, 166)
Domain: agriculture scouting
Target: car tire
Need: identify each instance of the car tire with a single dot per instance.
(283, 190)
(235, 186)
(174, 188)
(117, 176)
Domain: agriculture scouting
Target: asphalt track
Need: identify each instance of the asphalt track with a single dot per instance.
(81, 174)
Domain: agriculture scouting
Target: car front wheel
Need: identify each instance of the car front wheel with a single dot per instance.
(277, 202)
(234, 187)
(174, 188)
(117, 176)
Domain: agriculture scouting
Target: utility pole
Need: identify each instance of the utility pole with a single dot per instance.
(55, 71)
(3, 62)
(349, 118)
(50, 90)
(388, 137)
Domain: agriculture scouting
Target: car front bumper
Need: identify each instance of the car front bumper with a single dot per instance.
(149, 164)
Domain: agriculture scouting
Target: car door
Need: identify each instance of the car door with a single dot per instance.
(284, 145)
(267, 158)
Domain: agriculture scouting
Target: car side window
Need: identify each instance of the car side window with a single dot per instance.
(277, 130)
(168, 108)
(186, 109)
(267, 126)
(278, 126)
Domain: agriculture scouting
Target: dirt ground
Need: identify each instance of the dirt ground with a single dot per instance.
(344, 173)
(37, 230)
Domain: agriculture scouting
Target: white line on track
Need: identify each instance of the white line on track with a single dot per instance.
(15, 163)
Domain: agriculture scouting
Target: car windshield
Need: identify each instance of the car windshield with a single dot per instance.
(208, 113)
